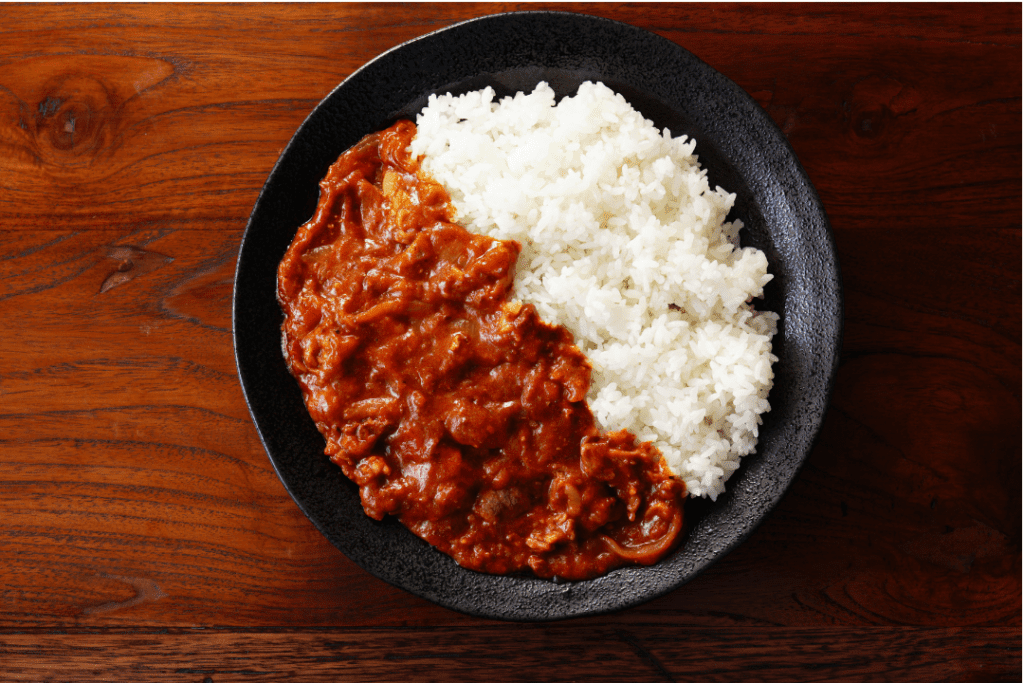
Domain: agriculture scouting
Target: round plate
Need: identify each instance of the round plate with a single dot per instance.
(743, 152)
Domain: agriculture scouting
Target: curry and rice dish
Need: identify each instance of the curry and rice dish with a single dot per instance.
(487, 334)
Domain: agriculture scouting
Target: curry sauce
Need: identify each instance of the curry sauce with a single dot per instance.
(452, 405)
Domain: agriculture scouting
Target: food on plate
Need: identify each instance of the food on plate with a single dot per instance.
(450, 404)
(524, 328)
(626, 245)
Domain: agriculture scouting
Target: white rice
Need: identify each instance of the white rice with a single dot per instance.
(625, 244)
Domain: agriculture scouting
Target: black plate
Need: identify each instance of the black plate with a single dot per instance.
(743, 151)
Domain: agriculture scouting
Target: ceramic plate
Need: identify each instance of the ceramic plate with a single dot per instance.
(742, 150)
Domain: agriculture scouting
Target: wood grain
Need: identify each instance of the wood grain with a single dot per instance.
(631, 653)
(140, 516)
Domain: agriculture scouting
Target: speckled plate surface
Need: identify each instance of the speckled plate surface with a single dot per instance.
(743, 151)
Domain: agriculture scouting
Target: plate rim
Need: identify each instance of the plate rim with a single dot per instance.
(554, 590)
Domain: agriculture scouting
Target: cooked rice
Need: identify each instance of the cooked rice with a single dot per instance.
(625, 244)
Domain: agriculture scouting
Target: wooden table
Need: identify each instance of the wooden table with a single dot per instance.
(144, 535)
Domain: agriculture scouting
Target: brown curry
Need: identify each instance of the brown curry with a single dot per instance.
(451, 405)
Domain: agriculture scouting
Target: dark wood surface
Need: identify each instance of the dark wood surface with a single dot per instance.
(144, 535)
